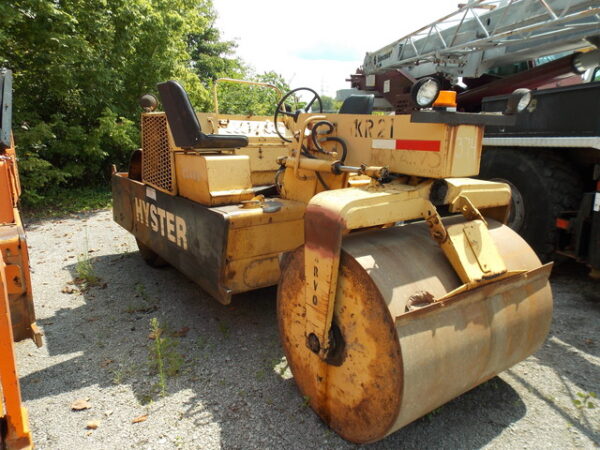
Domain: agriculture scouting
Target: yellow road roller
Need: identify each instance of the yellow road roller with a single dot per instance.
(399, 287)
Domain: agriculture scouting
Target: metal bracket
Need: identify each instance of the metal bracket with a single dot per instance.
(328, 217)
(332, 214)
(468, 246)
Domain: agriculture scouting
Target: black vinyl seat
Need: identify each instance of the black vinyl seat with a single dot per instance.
(184, 123)
(358, 104)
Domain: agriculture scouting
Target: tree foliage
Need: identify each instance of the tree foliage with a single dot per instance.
(237, 98)
(330, 104)
(80, 66)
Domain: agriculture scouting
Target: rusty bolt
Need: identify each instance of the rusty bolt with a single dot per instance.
(313, 343)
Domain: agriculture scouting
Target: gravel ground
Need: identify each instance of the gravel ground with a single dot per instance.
(234, 390)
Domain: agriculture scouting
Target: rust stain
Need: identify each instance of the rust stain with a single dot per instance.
(323, 230)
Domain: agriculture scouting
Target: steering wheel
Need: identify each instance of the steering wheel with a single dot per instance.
(282, 108)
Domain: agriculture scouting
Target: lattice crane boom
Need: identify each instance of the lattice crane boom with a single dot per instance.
(483, 34)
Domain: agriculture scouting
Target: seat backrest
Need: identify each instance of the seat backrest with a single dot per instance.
(358, 104)
(181, 116)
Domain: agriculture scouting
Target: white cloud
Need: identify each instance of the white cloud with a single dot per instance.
(292, 37)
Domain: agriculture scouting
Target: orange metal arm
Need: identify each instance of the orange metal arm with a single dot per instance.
(18, 435)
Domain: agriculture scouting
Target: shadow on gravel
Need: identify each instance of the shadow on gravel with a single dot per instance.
(573, 341)
(233, 372)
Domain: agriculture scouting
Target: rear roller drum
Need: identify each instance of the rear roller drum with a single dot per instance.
(394, 360)
(149, 256)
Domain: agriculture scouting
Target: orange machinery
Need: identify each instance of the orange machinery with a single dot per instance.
(17, 317)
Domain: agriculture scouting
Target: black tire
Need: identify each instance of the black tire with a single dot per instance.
(135, 173)
(151, 258)
(544, 184)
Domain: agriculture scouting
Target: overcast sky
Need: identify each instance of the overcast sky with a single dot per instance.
(319, 44)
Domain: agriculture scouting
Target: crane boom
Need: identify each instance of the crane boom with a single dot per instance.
(483, 34)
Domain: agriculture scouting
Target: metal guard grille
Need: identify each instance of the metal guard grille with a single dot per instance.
(158, 168)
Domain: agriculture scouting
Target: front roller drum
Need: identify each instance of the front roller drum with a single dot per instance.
(398, 356)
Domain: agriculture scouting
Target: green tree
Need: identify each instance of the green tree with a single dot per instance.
(80, 66)
(330, 104)
(243, 99)
(212, 58)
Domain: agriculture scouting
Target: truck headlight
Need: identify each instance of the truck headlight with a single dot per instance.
(518, 101)
(425, 91)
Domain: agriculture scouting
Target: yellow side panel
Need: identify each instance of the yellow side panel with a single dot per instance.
(466, 142)
(263, 158)
(262, 178)
(264, 239)
(431, 150)
(227, 172)
(252, 217)
(252, 273)
(213, 179)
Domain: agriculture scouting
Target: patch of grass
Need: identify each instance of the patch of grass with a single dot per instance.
(84, 269)
(164, 358)
(63, 201)
(86, 274)
(118, 376)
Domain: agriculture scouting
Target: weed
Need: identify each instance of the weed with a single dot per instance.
(84, 269)
(146, 305)
(224, 328)
(121, 373)
(260, 374)
(431, 415)
(306, 401)
(164, 357)
(436, 411)
(584, 400)
(118, 375)
(86, 274)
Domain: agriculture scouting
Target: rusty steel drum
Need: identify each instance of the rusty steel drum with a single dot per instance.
(399, 361)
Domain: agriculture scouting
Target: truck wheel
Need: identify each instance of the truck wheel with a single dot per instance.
(543, 185)
(151, 258)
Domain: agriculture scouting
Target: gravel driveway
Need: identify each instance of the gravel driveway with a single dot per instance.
(233, 389)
